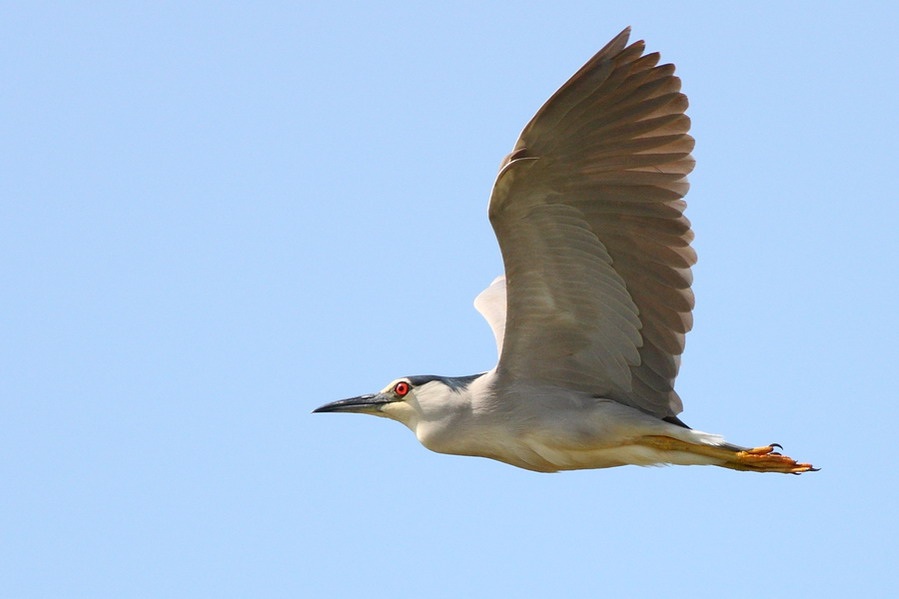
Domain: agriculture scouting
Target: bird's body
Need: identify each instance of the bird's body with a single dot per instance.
(591, 315)
(542, 429)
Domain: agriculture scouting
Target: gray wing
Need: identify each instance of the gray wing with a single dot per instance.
(588, 212)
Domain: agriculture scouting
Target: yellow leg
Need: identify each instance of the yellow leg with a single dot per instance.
(756, 459)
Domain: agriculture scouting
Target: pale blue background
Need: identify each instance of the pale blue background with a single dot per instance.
(217, 217)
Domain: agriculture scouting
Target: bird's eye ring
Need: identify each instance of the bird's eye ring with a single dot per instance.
(401, 389)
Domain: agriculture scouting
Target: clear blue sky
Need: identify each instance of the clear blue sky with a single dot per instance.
(215, 218)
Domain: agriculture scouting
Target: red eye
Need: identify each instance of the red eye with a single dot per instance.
(401, 389)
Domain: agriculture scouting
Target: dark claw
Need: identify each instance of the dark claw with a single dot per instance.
(777, 445)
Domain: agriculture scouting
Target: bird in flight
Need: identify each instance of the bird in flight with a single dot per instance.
(592, 311)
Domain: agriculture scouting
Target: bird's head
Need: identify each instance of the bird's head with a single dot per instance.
(397, 401)
(411, 400)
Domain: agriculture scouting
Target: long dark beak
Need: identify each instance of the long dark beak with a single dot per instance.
(364, 404)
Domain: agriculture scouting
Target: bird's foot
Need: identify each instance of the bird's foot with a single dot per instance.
(755, 459)
(765, 459)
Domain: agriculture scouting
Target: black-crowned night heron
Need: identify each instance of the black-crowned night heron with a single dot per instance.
(591, 314)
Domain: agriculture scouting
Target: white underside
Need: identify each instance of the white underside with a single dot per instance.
(576, 433)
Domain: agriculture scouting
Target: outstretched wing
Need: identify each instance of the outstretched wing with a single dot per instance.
(588, 212)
